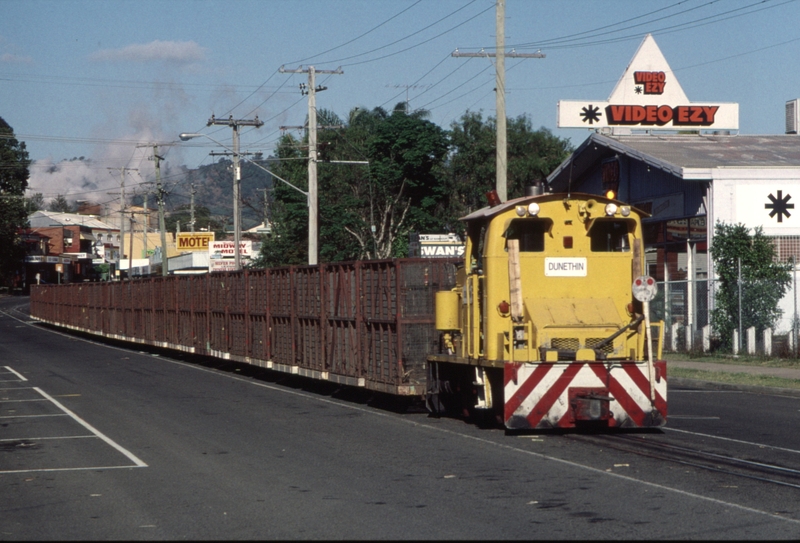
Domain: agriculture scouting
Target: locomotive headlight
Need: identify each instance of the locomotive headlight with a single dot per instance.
(611, 209)
(533, 209)
(521, 211)
(625, 210)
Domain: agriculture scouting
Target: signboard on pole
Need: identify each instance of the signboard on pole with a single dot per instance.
(440, 246)
(648, 96)
(194, 241)
(226, 249)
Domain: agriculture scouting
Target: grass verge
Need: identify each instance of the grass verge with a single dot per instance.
(734, 378)
(739, 360)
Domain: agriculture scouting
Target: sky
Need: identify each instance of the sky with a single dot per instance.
(107, 79)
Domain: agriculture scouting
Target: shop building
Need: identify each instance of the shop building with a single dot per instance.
(65, 247)
(686, 164)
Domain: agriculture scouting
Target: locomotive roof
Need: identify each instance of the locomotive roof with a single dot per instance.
(489, 212)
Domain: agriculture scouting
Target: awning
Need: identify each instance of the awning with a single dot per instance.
(84, 235)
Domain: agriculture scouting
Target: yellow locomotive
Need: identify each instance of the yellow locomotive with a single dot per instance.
(547, 326)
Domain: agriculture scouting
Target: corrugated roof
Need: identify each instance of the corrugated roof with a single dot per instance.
(704, 151)
(41, 219)
(677, 153)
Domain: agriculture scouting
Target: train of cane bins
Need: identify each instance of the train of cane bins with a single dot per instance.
(544, 323)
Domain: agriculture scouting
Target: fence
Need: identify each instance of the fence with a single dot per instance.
(684, 308)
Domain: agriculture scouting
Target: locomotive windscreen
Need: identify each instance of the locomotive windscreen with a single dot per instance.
(610, 236)
(530, 233)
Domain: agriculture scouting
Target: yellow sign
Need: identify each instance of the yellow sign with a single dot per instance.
(194, 241)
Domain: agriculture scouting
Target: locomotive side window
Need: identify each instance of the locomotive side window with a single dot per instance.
(609, 236)
(530, 233)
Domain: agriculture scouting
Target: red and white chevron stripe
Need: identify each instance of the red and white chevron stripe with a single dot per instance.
(564, 394)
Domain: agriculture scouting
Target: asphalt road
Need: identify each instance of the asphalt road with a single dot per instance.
(101, 442)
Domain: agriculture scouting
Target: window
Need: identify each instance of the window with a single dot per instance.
(787, 248)
(530, 233)
(609, 236)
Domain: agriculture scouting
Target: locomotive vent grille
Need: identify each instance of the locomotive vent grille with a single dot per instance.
(608, 348)
(573, 344)
(565, 343)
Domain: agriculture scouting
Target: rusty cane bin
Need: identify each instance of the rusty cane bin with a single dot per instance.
(365, 323)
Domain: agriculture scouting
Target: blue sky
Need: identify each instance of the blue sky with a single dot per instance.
(95, 78)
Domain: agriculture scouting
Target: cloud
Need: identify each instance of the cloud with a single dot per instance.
(11, 58)
(175, 52)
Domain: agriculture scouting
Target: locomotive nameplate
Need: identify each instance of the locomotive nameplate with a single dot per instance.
(564, 267)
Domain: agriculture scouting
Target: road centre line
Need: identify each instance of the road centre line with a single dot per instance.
(92, 436)
(32, 416)
(692, 417)
(91, 468)
(684, 391)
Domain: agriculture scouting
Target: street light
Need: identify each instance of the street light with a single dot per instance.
(237, 176)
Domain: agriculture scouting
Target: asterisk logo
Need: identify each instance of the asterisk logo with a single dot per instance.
(591, 114)
(780, 206)
(637, 89)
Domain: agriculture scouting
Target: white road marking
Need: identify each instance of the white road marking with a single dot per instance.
(92, 429)
(48, 438)
(21, 377)
(691, 417)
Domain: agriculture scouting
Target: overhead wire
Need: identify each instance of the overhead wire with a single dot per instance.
(680, 27)
(334, 61)
(357, 37)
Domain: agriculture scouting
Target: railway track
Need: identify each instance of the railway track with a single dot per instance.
(740, 465)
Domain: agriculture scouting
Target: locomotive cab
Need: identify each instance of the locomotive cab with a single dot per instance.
(542, 329)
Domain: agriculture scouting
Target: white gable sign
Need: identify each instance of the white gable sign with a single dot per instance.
(648, 96)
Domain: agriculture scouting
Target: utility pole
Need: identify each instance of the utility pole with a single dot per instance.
(237, 178)
(130, 254)
(160, 192)
(146, 223)
(500, 93)
(313, 204)
(266, 208)
(162, 226)
(191, 210)
(122, 210)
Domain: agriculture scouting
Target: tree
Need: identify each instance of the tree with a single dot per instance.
(406, 155)
(531, 156)
(34, 203)
(59, 204)
(366, 211)
(14, 175)
(764, 281)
